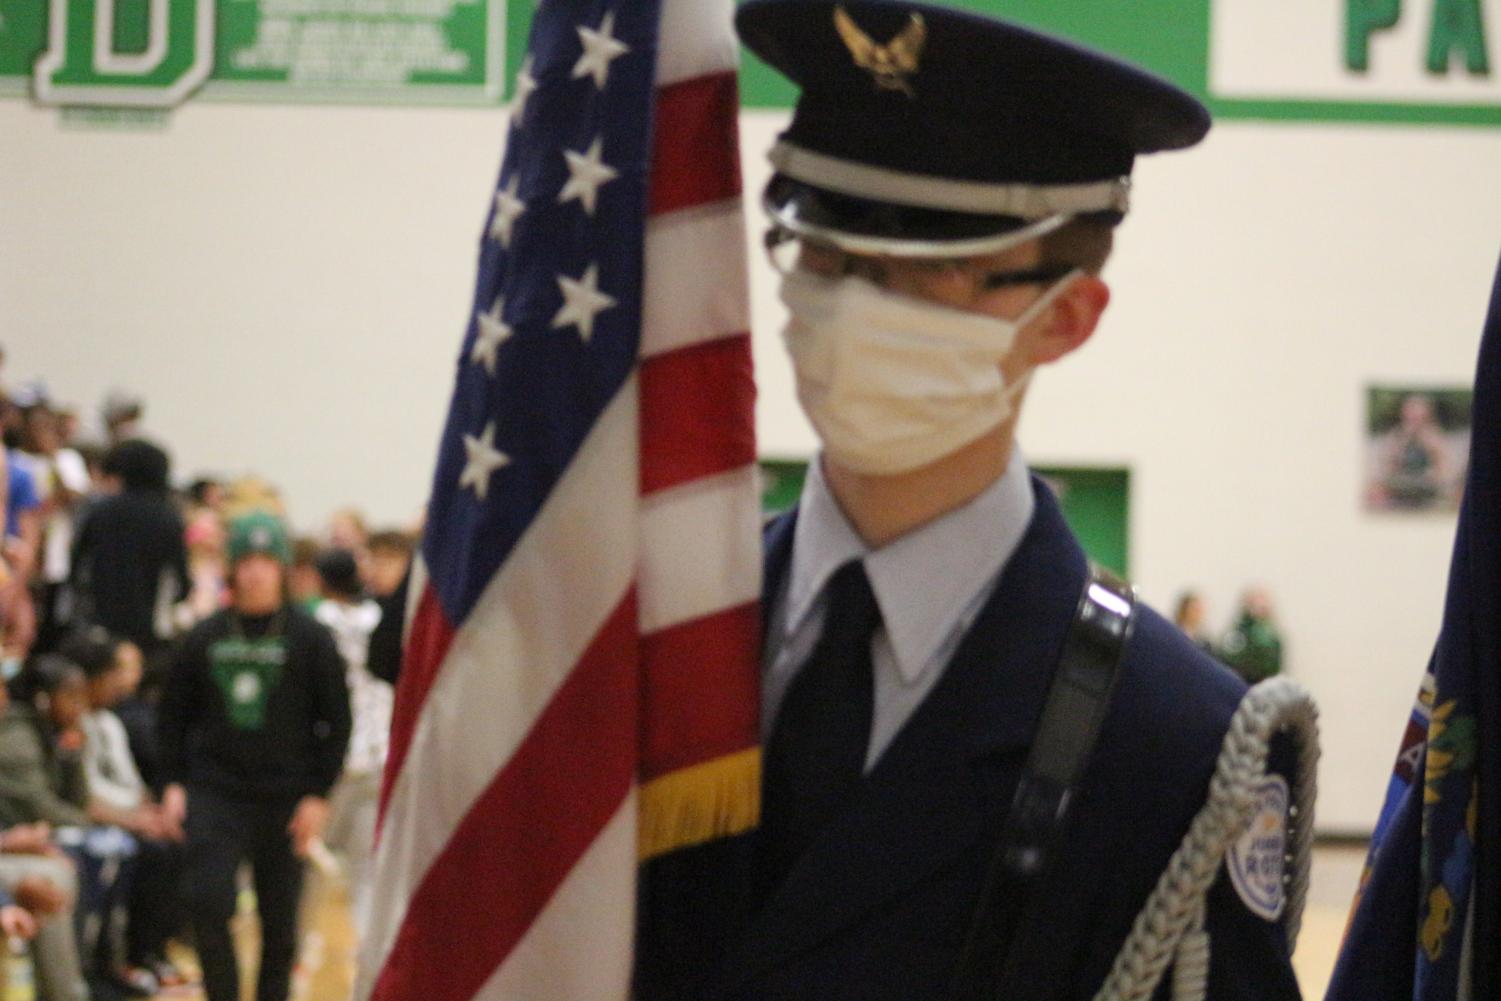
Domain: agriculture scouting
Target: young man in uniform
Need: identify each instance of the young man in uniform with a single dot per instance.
(253, 727)
(943, 202)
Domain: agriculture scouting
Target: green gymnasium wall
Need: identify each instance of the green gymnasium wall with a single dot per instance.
(1096, 503)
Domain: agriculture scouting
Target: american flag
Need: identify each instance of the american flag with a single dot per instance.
(579, 686)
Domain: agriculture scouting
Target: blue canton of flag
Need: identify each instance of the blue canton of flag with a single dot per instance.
(1426, 920)
(556, 318)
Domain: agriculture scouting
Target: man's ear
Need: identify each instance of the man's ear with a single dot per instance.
(1070, 320)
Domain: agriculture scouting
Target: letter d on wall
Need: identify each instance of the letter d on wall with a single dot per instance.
(84, 63)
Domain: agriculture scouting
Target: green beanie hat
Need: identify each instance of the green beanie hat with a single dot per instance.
(259, 532)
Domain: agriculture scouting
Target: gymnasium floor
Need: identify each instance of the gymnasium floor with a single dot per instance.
(326, 970)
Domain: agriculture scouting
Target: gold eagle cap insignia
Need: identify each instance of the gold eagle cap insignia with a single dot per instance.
(891, 64)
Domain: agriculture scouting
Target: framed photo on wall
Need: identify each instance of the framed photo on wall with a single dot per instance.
(1417, 447)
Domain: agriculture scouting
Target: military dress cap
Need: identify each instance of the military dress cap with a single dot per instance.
(922, 129)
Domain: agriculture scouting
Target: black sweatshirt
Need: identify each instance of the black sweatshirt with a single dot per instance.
(128, 548)
(256, 708)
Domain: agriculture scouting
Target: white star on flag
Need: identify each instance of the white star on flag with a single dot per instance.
(508, 208)
(493, 332)
(582, 301)
(526, 86)
(587, 173)
(600, 46)
(484, 460)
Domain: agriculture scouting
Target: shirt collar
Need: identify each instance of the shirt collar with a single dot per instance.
(924, 581)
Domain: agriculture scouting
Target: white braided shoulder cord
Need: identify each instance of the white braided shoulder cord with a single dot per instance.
(1169, 931)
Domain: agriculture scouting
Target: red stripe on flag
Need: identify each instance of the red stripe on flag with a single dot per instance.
(526, 831)
(696, 154)
(697, 412)
(702, 690)
(428, 639)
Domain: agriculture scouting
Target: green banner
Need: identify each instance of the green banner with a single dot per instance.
(156, 53)
(1168, 36)
(1411, 61)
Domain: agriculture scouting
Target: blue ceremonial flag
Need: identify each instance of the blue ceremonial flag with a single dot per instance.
(1426, 920)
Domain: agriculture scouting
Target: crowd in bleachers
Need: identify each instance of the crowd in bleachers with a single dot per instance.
(108, 569)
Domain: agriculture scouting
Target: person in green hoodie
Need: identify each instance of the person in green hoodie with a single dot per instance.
(1253, 646)
(253, 727)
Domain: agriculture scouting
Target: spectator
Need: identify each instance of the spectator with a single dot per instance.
(121, 414)
(62, 480)
(249, 494)
(346, 530)
(6, 577)
(207, 493)
(302, 576)
(41, 747)
(42, 880)
(390, 555)
(253, 730)
(93, 460)
(22, 544)
(351, 617)
(42, 778)
(207, 592)
(138, 712)
(130, 563)
(1253, 646)
(387, 578)
(117, 794)
(1189, 617)
(68, 425)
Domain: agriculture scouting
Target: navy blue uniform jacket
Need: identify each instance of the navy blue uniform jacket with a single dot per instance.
(880, 905)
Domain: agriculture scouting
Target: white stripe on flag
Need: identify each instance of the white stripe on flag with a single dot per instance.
(579, 946)
(695, 277)
(696, 38)
(520, 643)
(700, 549)
(416, 584)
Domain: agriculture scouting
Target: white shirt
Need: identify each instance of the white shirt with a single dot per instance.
(107, 762)
(929, 583)
(70, 471)
(370, 698)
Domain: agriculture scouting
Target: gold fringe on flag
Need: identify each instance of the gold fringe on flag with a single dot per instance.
(715, 799)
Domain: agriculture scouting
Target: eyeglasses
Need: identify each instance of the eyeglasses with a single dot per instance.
(788, 252)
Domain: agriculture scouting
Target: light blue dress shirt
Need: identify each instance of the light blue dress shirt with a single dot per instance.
(930, 584)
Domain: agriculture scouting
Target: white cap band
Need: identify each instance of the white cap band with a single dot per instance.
(1021, 201)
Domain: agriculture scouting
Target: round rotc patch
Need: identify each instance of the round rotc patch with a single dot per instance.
(1257, 859)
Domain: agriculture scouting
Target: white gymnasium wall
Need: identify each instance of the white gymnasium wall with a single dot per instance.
(287, 286)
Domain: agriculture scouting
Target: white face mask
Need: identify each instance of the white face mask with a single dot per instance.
(890, 382)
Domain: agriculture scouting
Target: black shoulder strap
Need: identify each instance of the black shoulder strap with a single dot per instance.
(1066, 736)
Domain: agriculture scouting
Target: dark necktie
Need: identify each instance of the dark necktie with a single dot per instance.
(815, 760)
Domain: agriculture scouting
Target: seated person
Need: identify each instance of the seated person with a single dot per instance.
(39, 880)
(118, 795)
(42, 779)
(41, 745)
